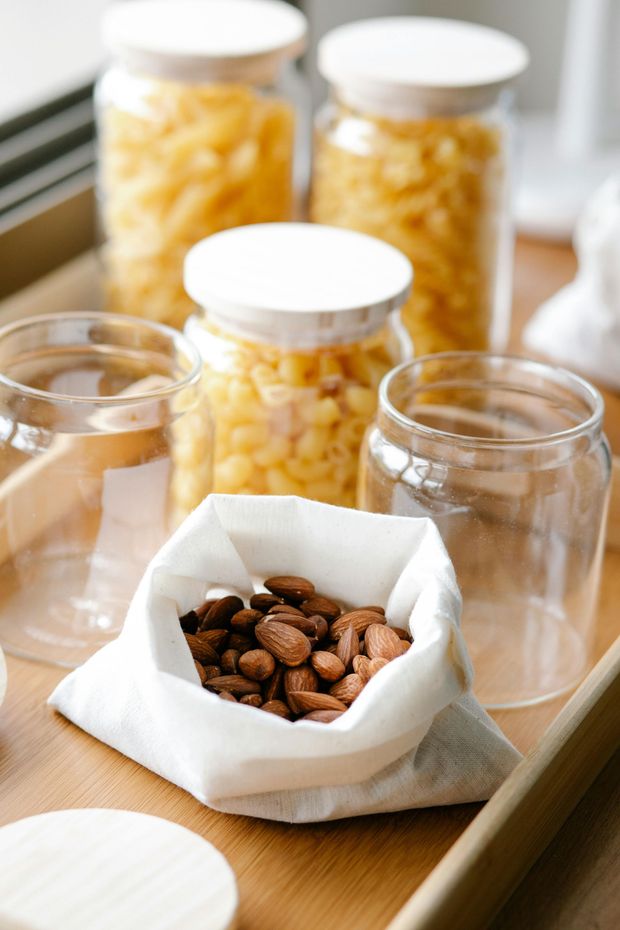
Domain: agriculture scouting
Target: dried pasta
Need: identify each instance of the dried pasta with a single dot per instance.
(433, 188)
(191, 452)
(183, 162)
(289, 422)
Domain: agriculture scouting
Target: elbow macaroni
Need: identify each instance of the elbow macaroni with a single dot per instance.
(289, 422)
(191, 453)
(434, 188)
(182, 162)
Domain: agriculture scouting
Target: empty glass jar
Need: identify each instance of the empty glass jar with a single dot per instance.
(507, 456)
(105, 444)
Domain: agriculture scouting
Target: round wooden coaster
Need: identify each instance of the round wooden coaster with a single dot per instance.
(111, 870)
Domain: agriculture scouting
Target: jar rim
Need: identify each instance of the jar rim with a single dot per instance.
(309, 283)
(205, 40)
(396, 65)
(561, 376)
(181, 346)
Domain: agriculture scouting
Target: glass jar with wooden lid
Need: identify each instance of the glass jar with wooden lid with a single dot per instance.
(297, 325)
(414, 147)
(198, 116)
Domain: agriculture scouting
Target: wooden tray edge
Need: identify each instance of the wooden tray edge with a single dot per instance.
(484, 866)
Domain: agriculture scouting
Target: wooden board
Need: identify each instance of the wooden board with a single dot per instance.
(352, 874)
(521, 818)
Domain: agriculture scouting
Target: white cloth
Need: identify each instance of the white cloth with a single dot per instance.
(580, 325)
(415, 737)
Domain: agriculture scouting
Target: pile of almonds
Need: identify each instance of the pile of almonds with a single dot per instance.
(291, 652)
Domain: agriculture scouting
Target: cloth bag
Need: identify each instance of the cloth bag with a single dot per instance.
(580, 325)
(415, 737)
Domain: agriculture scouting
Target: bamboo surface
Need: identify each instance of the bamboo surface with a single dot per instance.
(516, 825)
(353, 874)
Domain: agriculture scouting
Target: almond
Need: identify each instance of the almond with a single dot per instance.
(303, 678)
(322, 627)
(305, 624)
(201, 672)
(272, 688)
(205, 607)
(202, 652)
(244, 621)
(323, 716)
(327, 666)
(221, 611)
(359, 619)
(346, 690)
(287, 644)
(299, 679)
(264, 601)
(279, 708)
(291, 587)
(227, 696)
(254, 700)
(230, 661)
(402, 634)
(215, 638)
(405, 646)
(312, 700)
(376, 665)
(348, 646)
(236, 684)
(382, 642)
(285, 609)
(257, 664)
(239, 642)
(212, 671)
(375, 609)
(189, 622)
(322, 606)
(361, 666)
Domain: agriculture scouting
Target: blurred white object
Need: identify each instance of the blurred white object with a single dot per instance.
(580, 325)
(96, 869)
(2, 676)
(566, 156)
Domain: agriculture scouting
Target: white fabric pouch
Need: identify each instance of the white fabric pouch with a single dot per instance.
(580, 325)
(415, 737)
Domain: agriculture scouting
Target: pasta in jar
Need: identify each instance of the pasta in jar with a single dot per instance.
(435, 189)
(291, 422)
(420, 160)
(291, 402)
(190, 144)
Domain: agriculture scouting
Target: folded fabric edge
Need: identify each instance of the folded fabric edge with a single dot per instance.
(398, 787)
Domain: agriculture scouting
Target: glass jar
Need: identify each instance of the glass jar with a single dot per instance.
(414, 147)
(105, 444)
(507, 456)
(196, 134)
(298, 325)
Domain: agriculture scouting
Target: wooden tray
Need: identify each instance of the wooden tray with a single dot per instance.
(416, 869)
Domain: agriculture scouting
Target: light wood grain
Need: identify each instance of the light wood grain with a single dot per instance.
(353, 874)
(581, 865)
(529, 808)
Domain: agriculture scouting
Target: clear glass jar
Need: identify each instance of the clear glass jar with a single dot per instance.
(197, 125)
(414, 147)
(105, 444)
(507, 456)
(299, 323)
